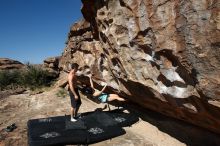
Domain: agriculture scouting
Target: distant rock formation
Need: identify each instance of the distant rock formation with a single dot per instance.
(6, 64)
(163, 55)
(51, 65)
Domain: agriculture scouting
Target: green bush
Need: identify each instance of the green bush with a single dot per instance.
(33, 77)
(9, 78)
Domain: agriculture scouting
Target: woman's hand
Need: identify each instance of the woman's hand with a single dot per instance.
(103, 84)
(89, 75)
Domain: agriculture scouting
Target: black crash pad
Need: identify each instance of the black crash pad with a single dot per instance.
(122, 119)
(92, 127)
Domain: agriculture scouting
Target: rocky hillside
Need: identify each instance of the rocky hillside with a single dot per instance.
(162, 54)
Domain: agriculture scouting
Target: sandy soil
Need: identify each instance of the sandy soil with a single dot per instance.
(153, 129)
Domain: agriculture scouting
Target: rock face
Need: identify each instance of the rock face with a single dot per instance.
(6, 63)
(161, 54)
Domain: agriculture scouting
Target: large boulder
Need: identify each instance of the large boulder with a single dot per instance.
(163, 55)
(52, 62)
(6, 64)
(51, 65)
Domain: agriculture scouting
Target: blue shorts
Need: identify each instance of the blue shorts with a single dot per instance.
(103, 97)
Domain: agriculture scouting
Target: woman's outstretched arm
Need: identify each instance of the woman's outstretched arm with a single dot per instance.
(97, 93)
(103, 88)
(91, 82)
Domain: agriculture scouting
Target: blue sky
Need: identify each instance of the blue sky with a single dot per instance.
(32, 30)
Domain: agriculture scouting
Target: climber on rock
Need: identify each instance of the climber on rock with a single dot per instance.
(100, 95)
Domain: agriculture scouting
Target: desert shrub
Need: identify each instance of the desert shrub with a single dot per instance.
(9, 77)
(33, 77)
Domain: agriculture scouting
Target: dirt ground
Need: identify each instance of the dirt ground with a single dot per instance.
(153, 129)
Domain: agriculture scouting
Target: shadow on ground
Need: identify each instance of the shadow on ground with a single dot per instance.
(189, 134)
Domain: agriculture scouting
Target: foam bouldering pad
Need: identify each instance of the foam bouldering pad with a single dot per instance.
(122, 119)
(80, 124)
(92, 127)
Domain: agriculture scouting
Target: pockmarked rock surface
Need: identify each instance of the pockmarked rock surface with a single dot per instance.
(6, 64)
(162, 54)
